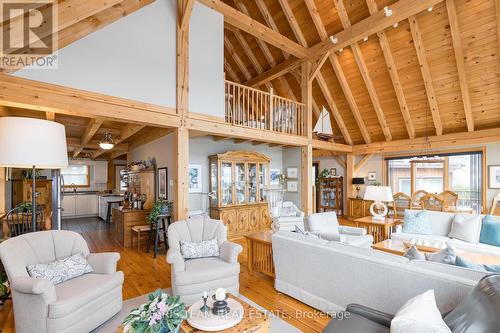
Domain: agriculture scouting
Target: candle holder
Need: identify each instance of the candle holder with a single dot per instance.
(220, 308)
(205, 308)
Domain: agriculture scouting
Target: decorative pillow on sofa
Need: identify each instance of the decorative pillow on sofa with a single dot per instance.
(416, 222)
(490, 231)
(466, 227)
(414, 254)
(445, 256)
(419, 315)
(61, 270)
(203, 249)
(478, 267)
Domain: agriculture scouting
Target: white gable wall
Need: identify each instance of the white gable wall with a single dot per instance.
(135, 58)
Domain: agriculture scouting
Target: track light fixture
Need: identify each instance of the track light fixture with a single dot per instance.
(430, 9)
(365, 39)
(334, 40)
(395, 25)
(387, 11)
(341, 50)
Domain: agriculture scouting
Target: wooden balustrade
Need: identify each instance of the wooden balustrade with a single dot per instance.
(250, 107)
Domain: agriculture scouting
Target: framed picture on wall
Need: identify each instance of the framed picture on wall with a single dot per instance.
(372, 176)
(194, 178)
(292, 186)
(163, 183)
(292, 172)
(494, 176)
(274, 176)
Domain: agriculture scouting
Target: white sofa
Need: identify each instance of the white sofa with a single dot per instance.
(326, 226)
(330, 275)
(441, 226)
(291, 216)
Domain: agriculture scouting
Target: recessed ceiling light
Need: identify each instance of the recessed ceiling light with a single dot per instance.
(334, 40)
(429, 9)
(365, 39)
(387, 11)
(395, 25)
(341, 50)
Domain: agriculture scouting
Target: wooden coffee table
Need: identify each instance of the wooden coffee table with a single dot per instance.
(397, 247)
(379, 229)
(254, 321)
(260, 253)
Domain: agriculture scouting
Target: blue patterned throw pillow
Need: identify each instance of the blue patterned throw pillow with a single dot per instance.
(416, 222)
(490, 230)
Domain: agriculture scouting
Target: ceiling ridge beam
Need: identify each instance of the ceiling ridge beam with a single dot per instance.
(426, 74)
(255, 28)
(91, 129)
(377, 22)
(370, 87)
(459, 58)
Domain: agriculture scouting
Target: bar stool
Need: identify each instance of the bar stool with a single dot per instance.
(158, 228)
(108, 214)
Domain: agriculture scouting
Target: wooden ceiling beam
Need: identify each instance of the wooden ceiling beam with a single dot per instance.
(185, 14)
(255, 28)
(127, 131)
(232, 74)
(69, 12)
(393, 72)
(317, 66)
(275, 72)
(426, 73)
(50, 116)
(477, 137)
(151, 135)
(15, 16)
(241, 65)
(401, 10)
(330, 146)
(362, 162)
(91, 129)
(339, 160)
(248, 51)
(459, 58)
(117, 154)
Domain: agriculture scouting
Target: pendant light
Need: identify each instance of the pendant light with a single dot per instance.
(107, 141)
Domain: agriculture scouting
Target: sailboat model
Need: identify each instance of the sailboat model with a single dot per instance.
(323, 127)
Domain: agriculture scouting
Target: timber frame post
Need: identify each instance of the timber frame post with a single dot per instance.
(181, 134)
(349, 172)
(306, 151)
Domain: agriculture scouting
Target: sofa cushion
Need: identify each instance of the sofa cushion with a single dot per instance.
(360, 241)
(443, 256)
(414, 254)
(355, 323)
(466, 227)
(205, 269)
(479, 247)
(440, 222)
(323, 222)
(490, 231)
(461, 262)
(77, 292)
(402, 236)
(416, 222)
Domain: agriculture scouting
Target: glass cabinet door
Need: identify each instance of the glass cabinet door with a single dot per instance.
(252, 182)
(226, 183)
(213, 182)
(239, 185)
(263, 180)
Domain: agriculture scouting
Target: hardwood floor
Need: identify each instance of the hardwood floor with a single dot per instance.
(144, 274)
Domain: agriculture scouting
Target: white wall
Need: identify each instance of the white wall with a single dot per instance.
(199, 150)
(292, 158)
(135, 58)
(492, 158)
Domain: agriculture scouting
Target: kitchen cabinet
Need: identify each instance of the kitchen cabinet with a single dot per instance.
(79, 205)
(100, 172)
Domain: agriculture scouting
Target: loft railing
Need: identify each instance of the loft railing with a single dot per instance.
(246, 106)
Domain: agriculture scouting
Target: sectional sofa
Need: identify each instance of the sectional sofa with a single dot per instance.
(441, 227)
(330, 275)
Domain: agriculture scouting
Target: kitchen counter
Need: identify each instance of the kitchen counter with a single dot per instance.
(124, 219)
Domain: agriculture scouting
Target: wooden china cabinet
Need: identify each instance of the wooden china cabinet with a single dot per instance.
(238, 179)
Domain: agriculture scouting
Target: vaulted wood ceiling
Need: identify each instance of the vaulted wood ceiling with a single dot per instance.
(437, 72)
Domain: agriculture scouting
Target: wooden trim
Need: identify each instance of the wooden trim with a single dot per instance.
(443, 141)
(377, 22)
(459, 58)
(255, 28)
(426, 74)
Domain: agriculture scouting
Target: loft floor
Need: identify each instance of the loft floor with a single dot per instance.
(144, 274)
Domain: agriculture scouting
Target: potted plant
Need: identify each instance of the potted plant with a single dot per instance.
(160, 207)
(161, 314)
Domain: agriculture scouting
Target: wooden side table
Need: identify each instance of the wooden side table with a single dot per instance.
(379, 229)
(260, 253)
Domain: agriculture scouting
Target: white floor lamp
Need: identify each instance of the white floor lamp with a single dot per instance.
(32, 143)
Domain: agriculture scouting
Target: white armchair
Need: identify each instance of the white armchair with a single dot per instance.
(326, 226)
(77, 305)
(191, 277)
(291, 216)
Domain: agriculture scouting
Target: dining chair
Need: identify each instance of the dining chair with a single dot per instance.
(450, 199)
(432, 201)
(19, 220)
(416, 199)
(402, 202)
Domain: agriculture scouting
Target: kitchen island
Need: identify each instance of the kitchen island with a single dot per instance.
(124, 219)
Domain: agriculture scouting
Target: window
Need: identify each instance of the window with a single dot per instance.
(458, 172)
(76, 176)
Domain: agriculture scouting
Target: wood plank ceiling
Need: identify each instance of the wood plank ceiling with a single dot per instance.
(435, 73)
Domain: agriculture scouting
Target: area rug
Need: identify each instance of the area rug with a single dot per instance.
(277, 325)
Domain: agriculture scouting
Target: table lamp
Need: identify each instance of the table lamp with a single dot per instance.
(358, 181)
(379, 195)
(275, 203)
(32, 143)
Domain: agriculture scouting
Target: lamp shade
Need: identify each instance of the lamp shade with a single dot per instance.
(358, 181)
(378, 193)
(28, 142)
